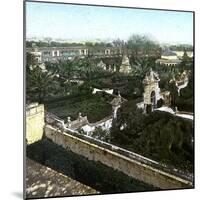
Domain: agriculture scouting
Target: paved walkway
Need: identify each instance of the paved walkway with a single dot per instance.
(182, 114)
(42, 181)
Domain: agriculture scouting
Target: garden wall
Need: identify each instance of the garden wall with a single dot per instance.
(34, 122)
(131, 164)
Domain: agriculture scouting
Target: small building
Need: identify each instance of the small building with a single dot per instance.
(151, 90)
(78, 123)
(169, 55)
(101, 65)
(181, 53)
(152, 93)
(38, 56)
(168, 58)
(168, 62)
(125, 66)
(54, 54)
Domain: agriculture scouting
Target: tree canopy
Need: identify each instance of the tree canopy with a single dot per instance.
(137, 43)
(159, 135)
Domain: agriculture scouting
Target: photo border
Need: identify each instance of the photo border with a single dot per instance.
(24, 91)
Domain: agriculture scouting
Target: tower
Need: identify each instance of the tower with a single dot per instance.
(125, 66)
(151, 90)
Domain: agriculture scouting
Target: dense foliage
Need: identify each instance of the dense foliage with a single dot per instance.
(142, 43)
(66, 89)
(185, 102)
(94, 107)
(181, 47)
(160, 135)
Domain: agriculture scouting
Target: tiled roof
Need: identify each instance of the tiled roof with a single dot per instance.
(168, 53)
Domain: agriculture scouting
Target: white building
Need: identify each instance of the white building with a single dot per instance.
(181, 53)
(125, 66)
(169, 58)
(151, 90)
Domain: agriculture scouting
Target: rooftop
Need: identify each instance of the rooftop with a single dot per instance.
(169, 61)
(168, 53)
(43, 181)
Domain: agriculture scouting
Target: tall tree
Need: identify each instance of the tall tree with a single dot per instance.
(39, 83)
(66, 69)
(87, 68)
(141, 44)
(141, 67)
(30, 60)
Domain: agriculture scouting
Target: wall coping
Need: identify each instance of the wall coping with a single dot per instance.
(128, 155)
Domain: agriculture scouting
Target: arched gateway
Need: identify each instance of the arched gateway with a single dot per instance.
(153, 99)
(151, 90)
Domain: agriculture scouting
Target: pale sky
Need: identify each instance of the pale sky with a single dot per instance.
(93, 22)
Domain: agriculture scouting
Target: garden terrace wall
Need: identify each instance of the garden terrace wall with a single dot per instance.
(132, 164)
(34, 122)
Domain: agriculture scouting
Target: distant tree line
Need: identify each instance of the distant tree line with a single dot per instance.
(139, 41)
(30, 44)
(181, 47)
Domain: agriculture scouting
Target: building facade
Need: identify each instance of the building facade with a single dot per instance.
(151, 90)
(53, 54)
(172, 58)
(168, 58)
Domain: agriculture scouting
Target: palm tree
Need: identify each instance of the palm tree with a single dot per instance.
(39, 83)
(65, 69)
(87, 68)
(141, 67)
(141, 44)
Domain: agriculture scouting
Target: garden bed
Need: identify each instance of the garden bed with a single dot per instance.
(94, 106)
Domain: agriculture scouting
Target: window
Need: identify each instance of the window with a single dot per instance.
(82, 52)
(46, 53)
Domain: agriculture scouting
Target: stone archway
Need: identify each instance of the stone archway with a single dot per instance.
(153, 100)
(151, 91)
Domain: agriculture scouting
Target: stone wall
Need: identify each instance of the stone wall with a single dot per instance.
(34, 122)
(133, 165)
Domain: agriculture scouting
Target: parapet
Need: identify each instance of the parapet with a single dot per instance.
(34, 122)
(34, 108)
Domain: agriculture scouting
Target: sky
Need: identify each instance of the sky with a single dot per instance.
(85, 23)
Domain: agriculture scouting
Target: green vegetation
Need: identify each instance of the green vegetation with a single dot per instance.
(181, 47)
(38, 83)
(100, 134)
(66, 89)
(160, 136)
(96, 108)
(49, 43)
(135, 44)
(185, 102)
(142, 43)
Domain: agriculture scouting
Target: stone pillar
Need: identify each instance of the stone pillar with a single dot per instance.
(115, 109)
(145, 109)
(68, 122)
(80, 117)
